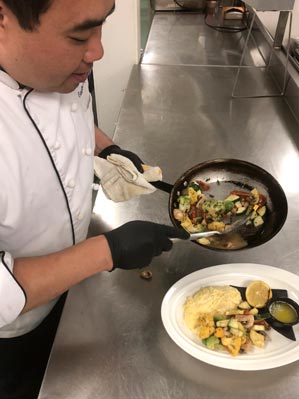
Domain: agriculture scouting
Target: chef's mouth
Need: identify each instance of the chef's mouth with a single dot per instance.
(80, 77)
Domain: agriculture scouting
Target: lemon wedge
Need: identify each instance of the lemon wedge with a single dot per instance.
(257, 294)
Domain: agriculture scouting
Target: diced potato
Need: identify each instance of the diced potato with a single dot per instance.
(257, 339)
(193, 195)
(204, 241)
(253, 311)
(255, 195)
(186, 223)
(219, 226)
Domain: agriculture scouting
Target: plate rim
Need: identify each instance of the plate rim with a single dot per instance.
(217, 358)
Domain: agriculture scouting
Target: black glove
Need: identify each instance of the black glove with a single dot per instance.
(134, 244)
(115, 149)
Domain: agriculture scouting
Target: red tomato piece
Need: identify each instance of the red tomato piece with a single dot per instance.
(262, 200)
(203, 185)
(242, 194)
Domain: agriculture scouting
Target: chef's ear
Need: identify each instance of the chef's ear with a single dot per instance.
(4, 15)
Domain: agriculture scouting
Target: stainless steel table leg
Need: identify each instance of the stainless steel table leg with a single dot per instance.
(243, 55)
(290, 16)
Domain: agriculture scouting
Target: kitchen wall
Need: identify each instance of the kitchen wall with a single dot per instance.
(121, 40)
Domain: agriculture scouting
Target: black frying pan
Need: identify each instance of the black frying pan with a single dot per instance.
(226, 175)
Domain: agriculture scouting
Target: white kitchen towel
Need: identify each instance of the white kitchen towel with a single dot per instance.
(121, 180)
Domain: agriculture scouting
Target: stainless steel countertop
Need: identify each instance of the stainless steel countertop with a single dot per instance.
(111, 343)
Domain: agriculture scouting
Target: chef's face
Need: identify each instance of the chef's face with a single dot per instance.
(59, 53)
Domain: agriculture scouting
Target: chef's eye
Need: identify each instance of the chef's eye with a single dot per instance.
(79, 40)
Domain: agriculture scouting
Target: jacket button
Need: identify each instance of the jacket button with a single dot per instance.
(57, 145)
(74, 107)
(88, 151)
(79, 216)
(71, 183)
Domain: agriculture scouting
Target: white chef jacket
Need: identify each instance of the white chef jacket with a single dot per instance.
(46, 175)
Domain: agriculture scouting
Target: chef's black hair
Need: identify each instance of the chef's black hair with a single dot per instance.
(28, 12)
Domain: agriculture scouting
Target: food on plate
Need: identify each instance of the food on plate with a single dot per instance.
(210, 300)
(225, 322)
(258, 293)
(198, 211)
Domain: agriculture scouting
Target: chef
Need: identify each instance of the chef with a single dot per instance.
(48, 140)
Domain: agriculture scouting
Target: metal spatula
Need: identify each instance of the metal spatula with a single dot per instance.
(233, 227)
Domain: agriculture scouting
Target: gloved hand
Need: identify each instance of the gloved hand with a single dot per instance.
(115, 149)
(134, 244)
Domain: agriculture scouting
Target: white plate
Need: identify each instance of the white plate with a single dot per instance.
(278, 351)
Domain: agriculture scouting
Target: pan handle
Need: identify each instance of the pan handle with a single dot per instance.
(162, 185)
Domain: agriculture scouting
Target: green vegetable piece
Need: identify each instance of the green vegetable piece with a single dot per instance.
(211, 342)
(241, 210)
(261, 211)
(195, 186)
(228, 205)
(222, 323)
(198, 228)
(232, 197)
(258, 221)
(218, 317)
(184, 203)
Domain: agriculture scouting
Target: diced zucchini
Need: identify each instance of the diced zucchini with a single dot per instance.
(262, 210)
(253, 215)
(218, 317)
(238, 204)
(244, 305)
(222, 323)
(211, 342)
(236, 332)
(258, 221)
(241, 327)
(241, 210)
(232, 198)
(234, 312)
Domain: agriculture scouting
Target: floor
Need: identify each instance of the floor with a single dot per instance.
(180, 38)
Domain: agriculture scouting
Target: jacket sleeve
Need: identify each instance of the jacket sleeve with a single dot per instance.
(12, 295)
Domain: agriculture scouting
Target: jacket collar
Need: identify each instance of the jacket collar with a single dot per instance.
(9, 81)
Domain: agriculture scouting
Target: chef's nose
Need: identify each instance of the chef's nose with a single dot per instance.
(94, 50)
